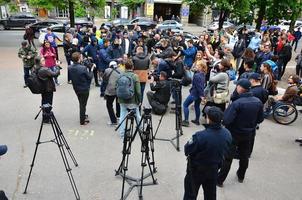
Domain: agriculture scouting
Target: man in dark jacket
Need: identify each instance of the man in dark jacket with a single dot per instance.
(161, 65)
(297, 35)
(81, 79)
(115, 50)
(256, 88)
(284, 57)
(141, 64)
(241, 119)
(162, 92)
(3, 150)
(105, 59)
(205, 152)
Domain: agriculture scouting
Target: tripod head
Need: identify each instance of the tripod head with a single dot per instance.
(131, 114)
(46, 108)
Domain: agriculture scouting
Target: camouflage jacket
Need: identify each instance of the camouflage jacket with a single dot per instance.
(27, 55)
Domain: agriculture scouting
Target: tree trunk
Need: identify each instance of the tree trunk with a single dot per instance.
(111, 9)
(71, 12)
(222, 17)
(261, 14)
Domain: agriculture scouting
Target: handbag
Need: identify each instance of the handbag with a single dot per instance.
(221, 97)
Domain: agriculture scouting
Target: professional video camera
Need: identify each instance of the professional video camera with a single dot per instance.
(154, 75)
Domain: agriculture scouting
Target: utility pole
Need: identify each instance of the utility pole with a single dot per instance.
(71, 12)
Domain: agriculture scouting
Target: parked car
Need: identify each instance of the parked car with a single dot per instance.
(249, 28)
(215, 25)
(58, 29)
(169, 24)
(19, 20)
(270, 28)
(36, 27)
(144, 22)
(285, 24)
(119, 22)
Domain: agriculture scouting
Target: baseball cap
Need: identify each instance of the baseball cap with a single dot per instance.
(244, 83)
(214, 113)
(3, 149)
(255, 76)
(113, 64)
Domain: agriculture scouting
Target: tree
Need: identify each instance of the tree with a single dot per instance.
(238, 8)
(64, 4)
(132, 4)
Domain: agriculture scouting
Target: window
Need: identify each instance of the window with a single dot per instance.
(58, 29)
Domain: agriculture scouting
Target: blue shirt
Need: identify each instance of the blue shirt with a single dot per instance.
(51, 38)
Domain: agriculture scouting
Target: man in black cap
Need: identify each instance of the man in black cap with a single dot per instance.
(257, 89)
(205, 152)
(241, 119)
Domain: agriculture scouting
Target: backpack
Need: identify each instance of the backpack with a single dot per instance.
(35, 84)
(125, 87)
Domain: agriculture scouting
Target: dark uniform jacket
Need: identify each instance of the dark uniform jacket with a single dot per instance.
(80, 77)
(208, 147)
(260, 92)
(243, 114)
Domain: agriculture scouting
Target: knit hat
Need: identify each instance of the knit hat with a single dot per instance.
(244, 83)
(214, 113)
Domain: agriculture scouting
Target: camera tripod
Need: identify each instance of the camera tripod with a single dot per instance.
(178, 118)
(145, 130)
(61, 142)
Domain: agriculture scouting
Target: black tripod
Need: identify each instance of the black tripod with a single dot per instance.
(61, 142)
(145, 130)
(178, 117)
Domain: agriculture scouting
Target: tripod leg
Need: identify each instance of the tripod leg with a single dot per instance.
(61, 135)
(143, 164)
(151, 141)
(34, 157)
(158, 125)
(60, 145)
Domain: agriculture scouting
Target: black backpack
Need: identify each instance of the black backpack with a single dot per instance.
(158, 108)
(35, 84)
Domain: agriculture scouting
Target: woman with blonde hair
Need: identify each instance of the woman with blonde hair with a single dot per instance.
(196, 93)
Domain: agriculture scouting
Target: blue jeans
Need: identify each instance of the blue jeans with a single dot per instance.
(143, 85)
(189, 100)
(27, 71)
(124, 113)
(54, 69)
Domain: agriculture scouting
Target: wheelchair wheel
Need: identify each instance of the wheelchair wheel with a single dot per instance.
(285, 114)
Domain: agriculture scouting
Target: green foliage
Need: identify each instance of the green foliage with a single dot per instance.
(4, 1)
(12, 7)
(132, 4)
(79, 10)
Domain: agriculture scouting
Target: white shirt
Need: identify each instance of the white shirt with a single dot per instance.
(127, 45)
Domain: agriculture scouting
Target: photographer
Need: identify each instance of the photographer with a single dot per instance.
(160, 99)
(163, 49)
(205, 152)
(81, 76)
(46, 75)
(161, 65)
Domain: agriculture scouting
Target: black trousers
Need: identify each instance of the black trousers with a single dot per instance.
(242, 144)
(83, 98)
(299, 70)
(47, 98)
(203, 176)
(295, 42)
(109, 105)
(2, 195)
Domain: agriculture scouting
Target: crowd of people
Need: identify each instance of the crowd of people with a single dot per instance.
(122, 61)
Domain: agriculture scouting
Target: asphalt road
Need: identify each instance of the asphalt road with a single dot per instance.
(274, 172)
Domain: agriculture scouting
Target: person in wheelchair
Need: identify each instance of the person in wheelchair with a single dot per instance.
(288, 97)
(160, 98)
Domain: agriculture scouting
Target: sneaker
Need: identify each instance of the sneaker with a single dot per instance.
(195, 122)
(299, 140)
(58, 84)
(185, 123)
(219, 184)
(173, 102)
(84, 123)
(69, 82)
(111, 123)
(102, 95)
(24, 86)
(97, 85)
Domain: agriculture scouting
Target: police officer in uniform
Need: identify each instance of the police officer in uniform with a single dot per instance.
(205, 152)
